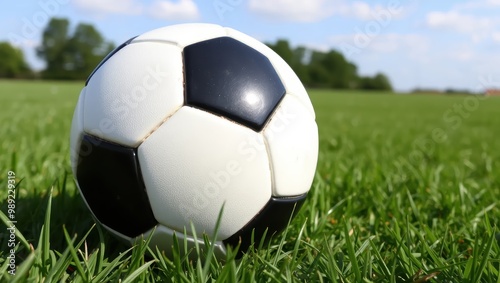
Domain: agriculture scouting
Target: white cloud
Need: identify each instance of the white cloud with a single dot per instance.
(359, 10)
(161, 9)
(456, 21)
(364, 11)
(180, 10)
(124, 7)
(477, 4)
(414, 45)
(293, 10)
(493, 2)
(317, 10)
(463, 54)
(496, 36)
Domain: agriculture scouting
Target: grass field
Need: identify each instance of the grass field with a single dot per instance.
(406, 190)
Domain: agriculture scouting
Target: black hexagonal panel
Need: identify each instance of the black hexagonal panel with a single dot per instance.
(229, 78)
(274, 217)
(110, 180)
(113, 52)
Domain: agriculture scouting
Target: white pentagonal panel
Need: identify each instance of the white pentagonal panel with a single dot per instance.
(183, 34)
(133, 92)
(292, 83)
(162, 239)
(292, 137)
(195, 163)
(76, 132)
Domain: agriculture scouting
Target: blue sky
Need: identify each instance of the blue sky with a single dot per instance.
(429, 44)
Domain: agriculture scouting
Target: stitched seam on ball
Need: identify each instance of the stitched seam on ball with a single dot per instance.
(270, 163)
(159, 125)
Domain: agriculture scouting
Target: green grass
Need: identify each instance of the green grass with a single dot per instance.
(392, 200)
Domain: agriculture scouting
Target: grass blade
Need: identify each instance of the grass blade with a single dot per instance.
(23, 269)
(74, 255)
(352, 253)
(138, 272)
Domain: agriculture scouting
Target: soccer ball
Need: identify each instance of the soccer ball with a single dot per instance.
(182, 121)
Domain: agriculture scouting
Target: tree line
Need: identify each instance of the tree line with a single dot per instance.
(73, 55)
(327, 69)
(67, 55)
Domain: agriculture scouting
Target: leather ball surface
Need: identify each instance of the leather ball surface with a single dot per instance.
(182, 120)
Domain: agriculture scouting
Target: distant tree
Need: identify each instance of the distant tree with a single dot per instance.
(299, 63)
(71, 56)
(52, 51)
(382, 82)
(332, 70)
(342, 73)
(457, 91)
(318, 74)
(85, 49)
(367, 83)
(378, 82)
(293, 57)
(12, 63)
(282, 48)
(326, 69)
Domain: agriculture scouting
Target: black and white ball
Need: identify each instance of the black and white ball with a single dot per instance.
(181, 120)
